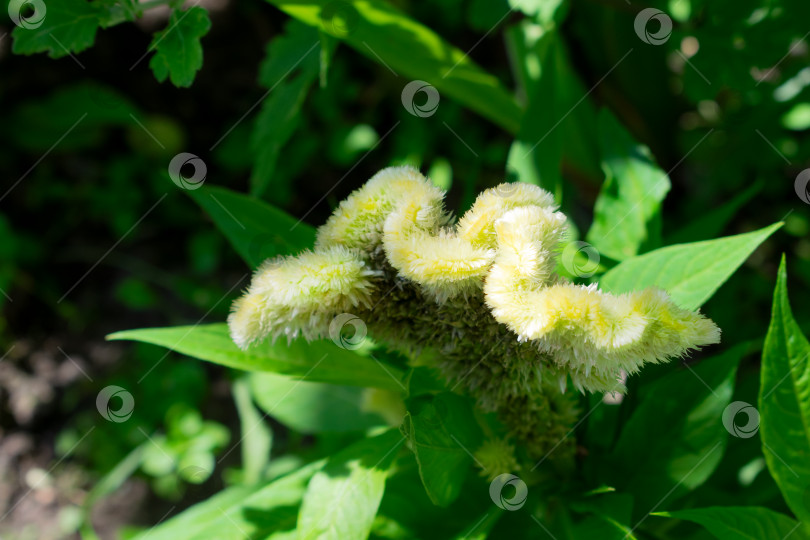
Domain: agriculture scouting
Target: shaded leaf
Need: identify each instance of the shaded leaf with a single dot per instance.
(382, 32)
(68, 26)
(675, 438)
(256, 230)
(443, 433)
(311, 407)
(178, 51)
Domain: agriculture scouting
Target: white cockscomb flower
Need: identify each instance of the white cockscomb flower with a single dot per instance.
(480, 297)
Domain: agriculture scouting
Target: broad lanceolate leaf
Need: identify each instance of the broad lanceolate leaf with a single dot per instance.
(675, 437)
(178, 51)
(256, 230)
(383, 33)
(310, 407)
(784, 403)
(268, 512)
(319, 361)
(690, 273)
(66, 26)
(291, 66)
(741, 522)
(625, 211)
(342, 498)
(443, 433)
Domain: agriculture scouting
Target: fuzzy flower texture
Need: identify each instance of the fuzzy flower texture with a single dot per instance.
(478, 298)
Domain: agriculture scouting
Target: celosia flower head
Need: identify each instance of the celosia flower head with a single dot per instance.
(480, 291)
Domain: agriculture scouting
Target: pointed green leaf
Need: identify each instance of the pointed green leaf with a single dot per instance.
(256, 230)
(384, 34)
(631, 195)
(784, 403)
(741, 522)
(178, 51)
(320, 361)
(690, 273)
(342, 498)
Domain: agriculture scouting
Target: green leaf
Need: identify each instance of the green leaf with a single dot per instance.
(319, 361)
(268, 512)
(310, 407)
(69, 26)
(178, 51)
(291, 66)
(690, 273)
(443, 434)
(741, 522)
(631, 195)
(257, 439)
(674, 439)
(784, 403)
(342, 498)
(256, 230)
(412, 50)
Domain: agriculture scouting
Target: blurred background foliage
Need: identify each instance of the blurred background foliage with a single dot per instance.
(94, 236)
